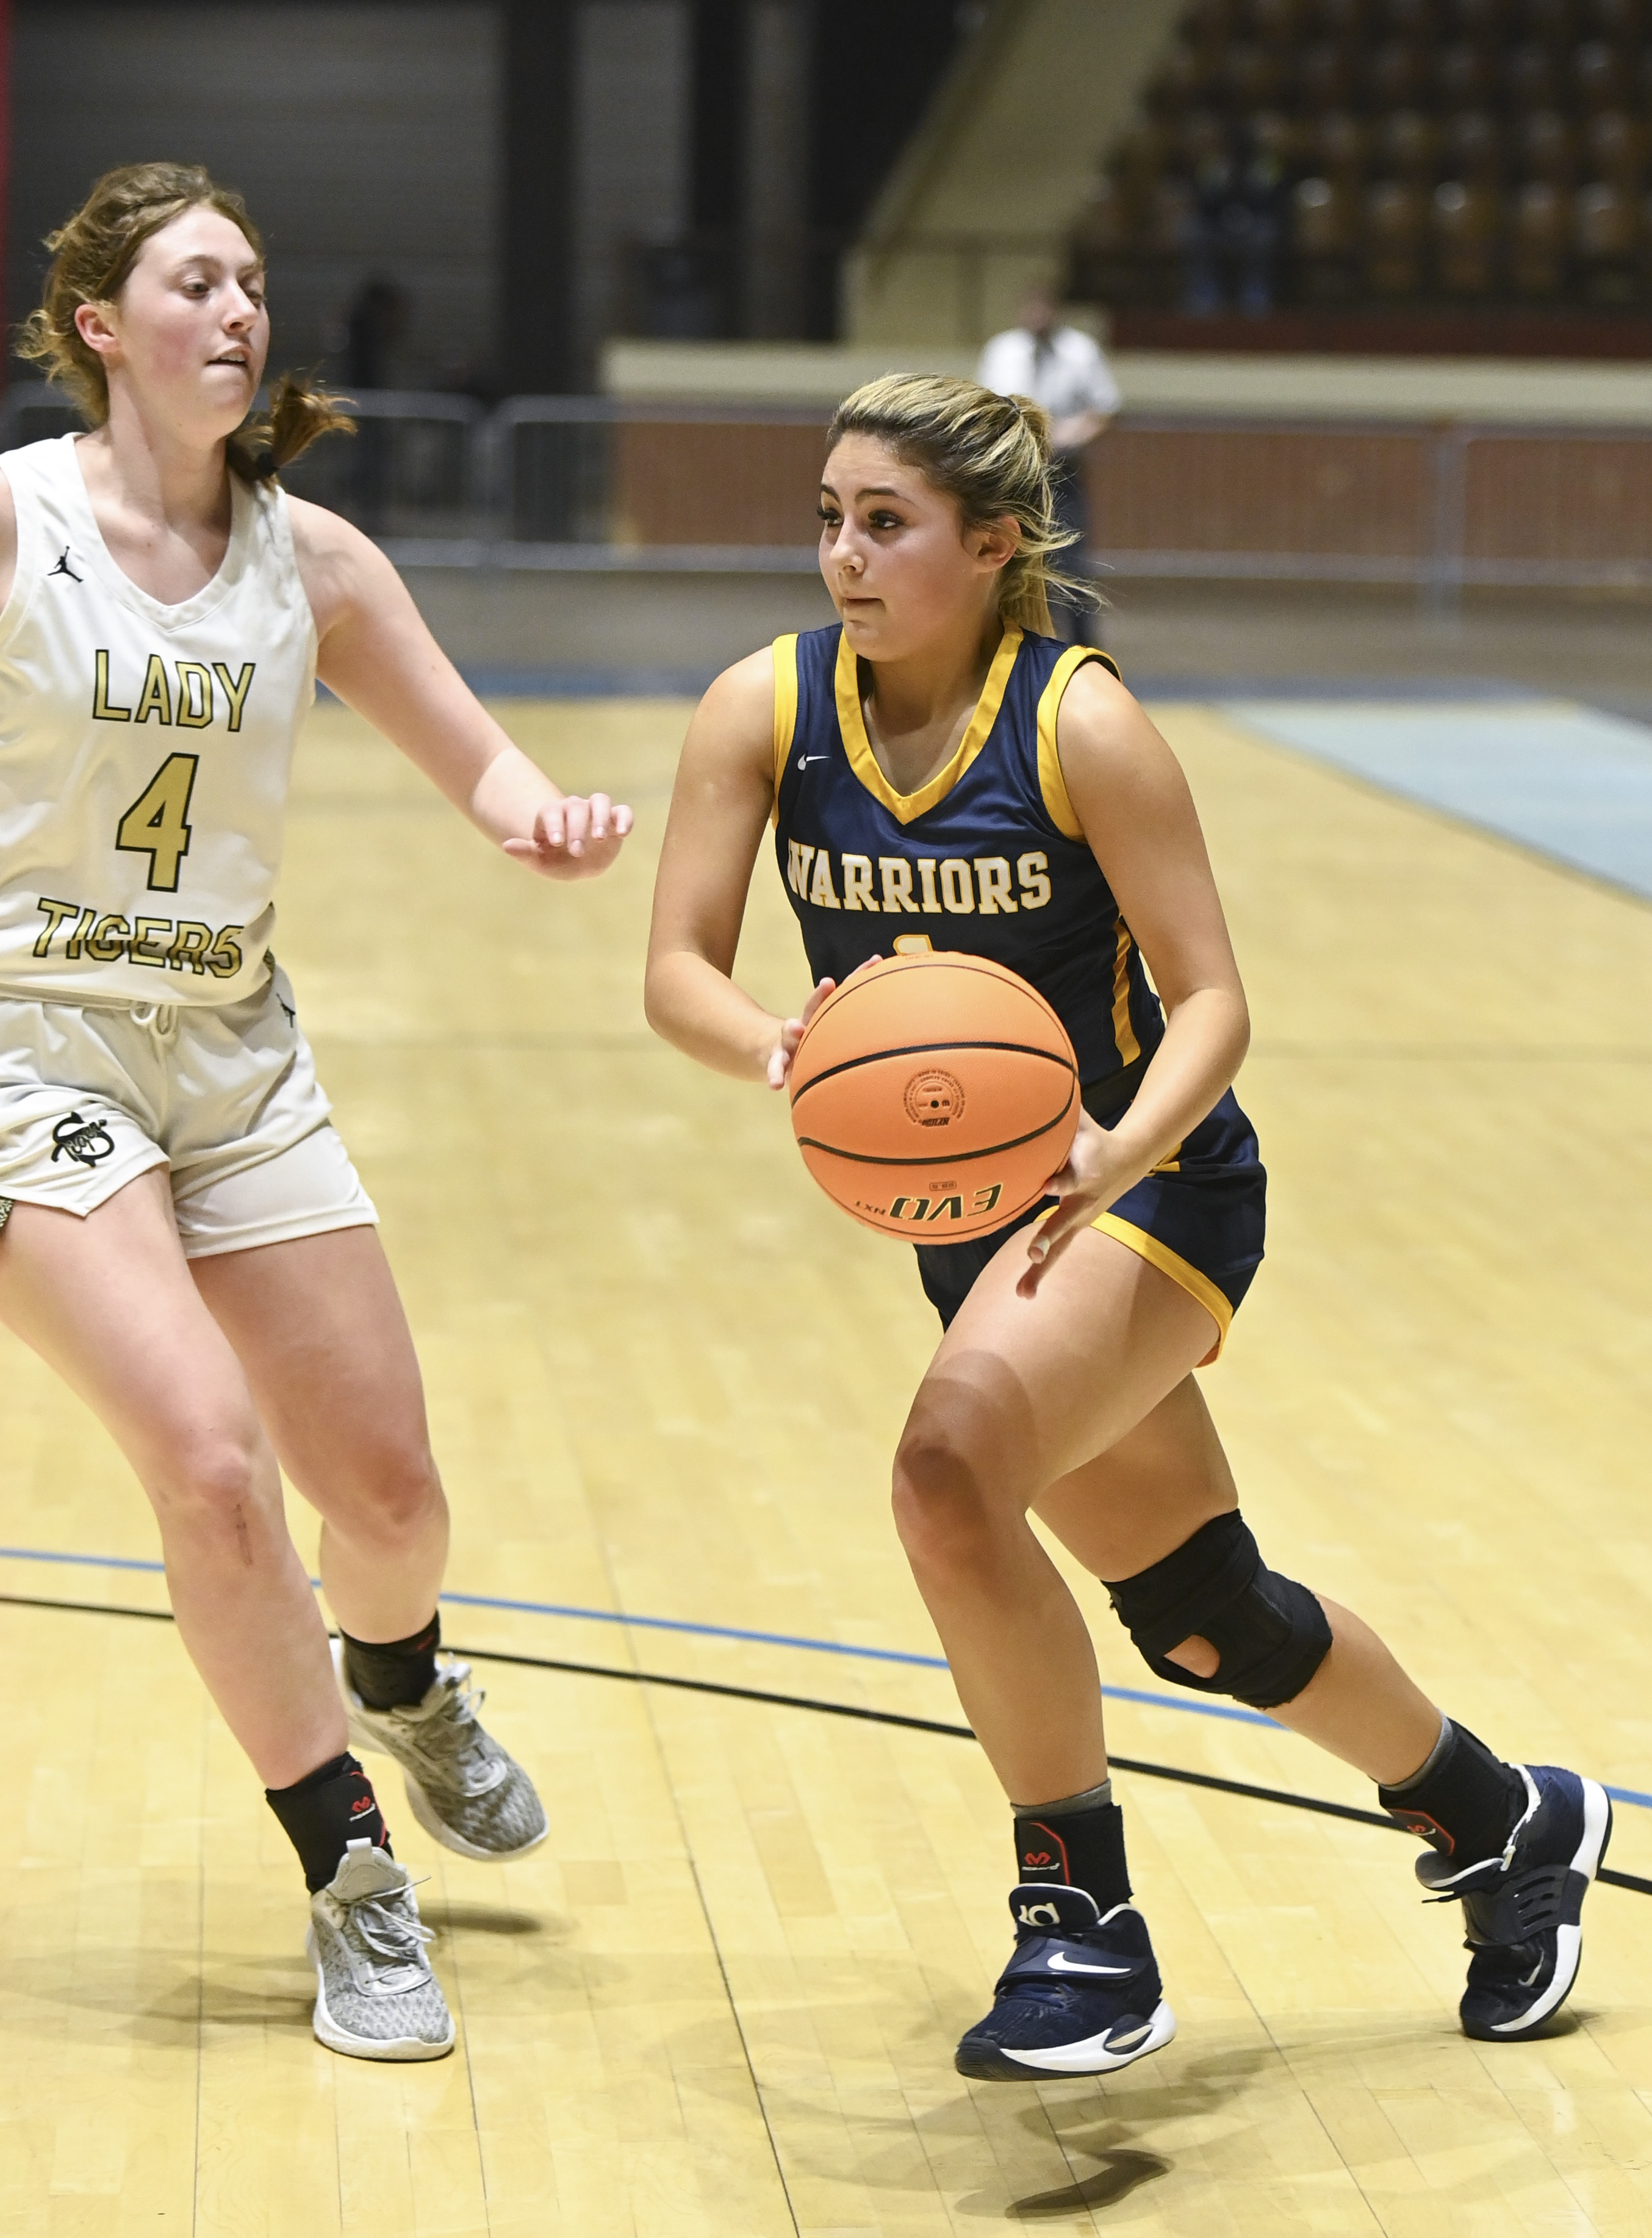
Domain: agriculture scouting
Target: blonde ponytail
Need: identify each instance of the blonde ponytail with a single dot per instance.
(991, 456)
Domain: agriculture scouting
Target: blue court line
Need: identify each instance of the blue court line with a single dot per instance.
(734, 1631)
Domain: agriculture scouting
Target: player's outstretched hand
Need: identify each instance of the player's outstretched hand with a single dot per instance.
(791, 1032)
(575, 839)
(1086, 1185)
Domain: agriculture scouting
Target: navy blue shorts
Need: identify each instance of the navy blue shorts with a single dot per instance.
(1198, 1218)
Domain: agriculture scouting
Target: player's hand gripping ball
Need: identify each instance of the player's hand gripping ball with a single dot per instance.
(933, 1096)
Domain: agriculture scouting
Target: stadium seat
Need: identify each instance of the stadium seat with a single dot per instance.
(1324, 231)
(1397, 74)
(1394, 220)
(1539, 243)
(1471, 147)
(1465, 74)
(1546, 147)
(1325, 76)
(1601, 75)
(1606, 239)
(1464, 222)
(1615, 147)
(1407, 145)
(1339, 145)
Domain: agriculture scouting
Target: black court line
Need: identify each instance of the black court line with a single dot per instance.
(1140, 1765)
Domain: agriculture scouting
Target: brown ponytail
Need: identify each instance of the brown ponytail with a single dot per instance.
(93, 253)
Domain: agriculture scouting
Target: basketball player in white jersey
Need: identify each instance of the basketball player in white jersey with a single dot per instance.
(183, 1237)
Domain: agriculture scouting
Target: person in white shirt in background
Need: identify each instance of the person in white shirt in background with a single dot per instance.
(1064, 369)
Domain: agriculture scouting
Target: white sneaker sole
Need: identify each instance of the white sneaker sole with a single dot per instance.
(1093, 2056)
(328, 2032)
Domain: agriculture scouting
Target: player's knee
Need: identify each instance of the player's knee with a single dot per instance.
(398, 1494)
(1214, 1617)
(943, 1513)
(214, 1479)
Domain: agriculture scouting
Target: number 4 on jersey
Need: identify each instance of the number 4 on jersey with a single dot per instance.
(157, 824)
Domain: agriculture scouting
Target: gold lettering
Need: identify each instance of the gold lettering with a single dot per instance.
(236, 687)
(55, 912)
(190, 947)
(799, 858)
(156, 698)
(107, 943)
(958, 887)
(926, 879)
(103, 711)
(195, 695)
(1031, 870)
(896, 873)
(857, 883)
(821, 891)
(993, 873)
(144, 930)
(77, 938)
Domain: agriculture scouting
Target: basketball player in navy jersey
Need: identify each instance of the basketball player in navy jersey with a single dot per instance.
(941, 773)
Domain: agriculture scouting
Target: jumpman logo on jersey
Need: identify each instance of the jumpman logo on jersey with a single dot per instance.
(63, 567)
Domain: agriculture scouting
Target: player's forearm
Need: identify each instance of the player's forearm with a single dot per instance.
(508, 795)
(1206, 1038)
(699, 1010)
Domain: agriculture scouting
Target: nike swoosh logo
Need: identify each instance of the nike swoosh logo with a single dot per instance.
(1060, 1964)
(803, 760)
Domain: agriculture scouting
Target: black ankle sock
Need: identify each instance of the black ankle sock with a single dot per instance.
(1081, 1848)
(331, 1806)
(388, 1674)
(1464, 1802)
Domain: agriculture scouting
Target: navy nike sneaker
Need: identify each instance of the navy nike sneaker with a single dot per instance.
(1080, 1996)
(1523, 1909)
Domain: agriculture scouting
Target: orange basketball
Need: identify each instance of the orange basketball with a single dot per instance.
(933, 1096)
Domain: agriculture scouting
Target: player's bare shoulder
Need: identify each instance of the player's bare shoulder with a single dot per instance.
(341, 570)
(734, 724)
(1110, 750)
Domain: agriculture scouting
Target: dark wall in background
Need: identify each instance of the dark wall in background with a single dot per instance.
(363, 136)
(527, 176)
(873, 68)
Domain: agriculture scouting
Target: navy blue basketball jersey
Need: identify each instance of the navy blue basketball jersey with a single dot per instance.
(986, 859)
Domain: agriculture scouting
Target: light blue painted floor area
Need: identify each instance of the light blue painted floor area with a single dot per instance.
(1568, 780)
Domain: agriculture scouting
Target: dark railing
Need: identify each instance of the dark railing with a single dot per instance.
(590, 483)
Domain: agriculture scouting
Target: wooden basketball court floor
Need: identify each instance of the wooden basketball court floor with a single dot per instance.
(665, 1375)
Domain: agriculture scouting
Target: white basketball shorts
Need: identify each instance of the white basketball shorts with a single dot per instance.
(92, 1094)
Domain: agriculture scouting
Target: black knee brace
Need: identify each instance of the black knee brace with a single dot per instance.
(1271, 1633)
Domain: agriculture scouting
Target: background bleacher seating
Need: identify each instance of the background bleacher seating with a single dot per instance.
(1405, 153)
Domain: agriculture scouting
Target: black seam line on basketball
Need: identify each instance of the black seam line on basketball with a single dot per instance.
(939, 1157)
(1140, 1765)
(928, 1048)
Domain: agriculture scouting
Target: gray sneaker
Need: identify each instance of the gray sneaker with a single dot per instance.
(375, 1996)
(463, 1789)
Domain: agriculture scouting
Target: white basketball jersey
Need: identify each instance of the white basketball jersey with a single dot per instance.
(144, 752)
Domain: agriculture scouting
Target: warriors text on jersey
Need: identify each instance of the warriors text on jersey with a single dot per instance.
(144, 752)
(988, 857)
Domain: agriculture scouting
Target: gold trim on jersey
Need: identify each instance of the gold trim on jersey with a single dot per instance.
(1171, 1263)
(1124, 1034)
(851, 722)
(1051, 783)
(785, 655)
